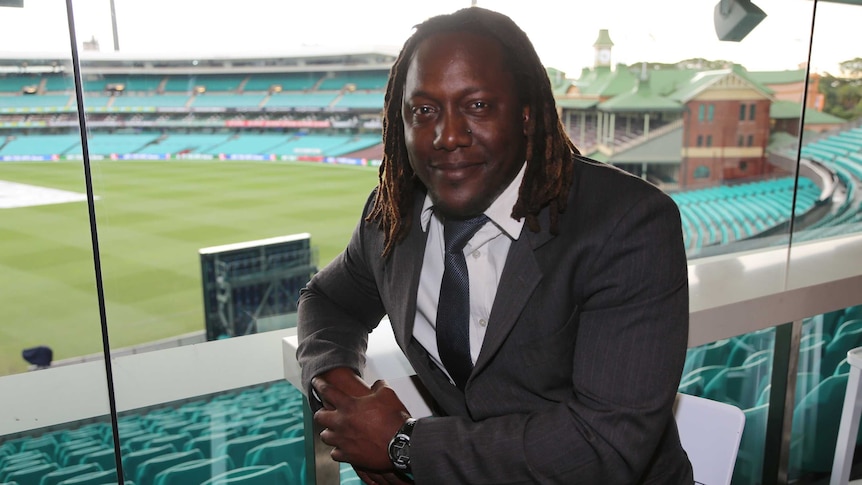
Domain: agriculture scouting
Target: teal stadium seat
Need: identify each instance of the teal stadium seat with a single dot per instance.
(811, 354)
(254, 475)
(197, 471)
(815, 427)
(60, 474)
(16, 466)
(741, 385)
(276, 425)
(105, 458)
(103, 477)
(46, 444)
(748, 469)
(289, 450)
(135, 458)
(30, 475)
(294, 431)
(847, 337)
(196, 429)
(750, 343)
(805, 383)
(147, 471)
(178, 441)
(348, 474)
(74, 457)
(692, 386)
(208, 442)
(172, 428)
(67, 447)
(23, 456)
(842, 368)
(237, 447)
(717, 353)
(705, 373)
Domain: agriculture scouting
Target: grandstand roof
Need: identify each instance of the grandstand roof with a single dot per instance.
(576, 103)
(301, 59)
(778, 77)
(789, 110)
(606, 83)
(706, 79)
(641, 98)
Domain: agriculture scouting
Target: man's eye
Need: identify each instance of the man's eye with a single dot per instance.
(422, 110)
(480, 105)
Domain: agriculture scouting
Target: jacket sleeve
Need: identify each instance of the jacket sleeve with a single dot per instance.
(614, 426)
(339, 307)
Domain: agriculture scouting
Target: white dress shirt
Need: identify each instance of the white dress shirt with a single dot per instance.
(485, 254)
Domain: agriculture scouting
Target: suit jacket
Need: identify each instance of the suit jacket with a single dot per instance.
(585, 344)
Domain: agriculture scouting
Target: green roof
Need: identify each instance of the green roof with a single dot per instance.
(604, 39)
(778, 77)
(702, 80)
(576, 103)
(785, 110)
(591, 81)
(606, 83)
(559, 82)
(665, 82)
(789, 110)
(640, 99)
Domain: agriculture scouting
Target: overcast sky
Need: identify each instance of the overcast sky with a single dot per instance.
(562, 31)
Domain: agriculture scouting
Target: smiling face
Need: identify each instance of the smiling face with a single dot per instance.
(464, 124)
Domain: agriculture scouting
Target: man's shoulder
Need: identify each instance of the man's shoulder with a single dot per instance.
(601, 181)
(604, 191)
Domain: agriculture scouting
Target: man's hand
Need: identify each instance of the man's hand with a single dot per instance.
(359, 421)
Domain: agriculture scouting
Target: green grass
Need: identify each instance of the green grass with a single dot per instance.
(152, 218)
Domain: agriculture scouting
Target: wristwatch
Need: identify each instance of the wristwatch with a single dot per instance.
(399, 447)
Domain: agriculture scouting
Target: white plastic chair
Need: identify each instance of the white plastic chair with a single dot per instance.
(849, 427)
(710, 432)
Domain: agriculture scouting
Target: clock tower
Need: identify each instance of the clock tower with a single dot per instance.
(603, 49)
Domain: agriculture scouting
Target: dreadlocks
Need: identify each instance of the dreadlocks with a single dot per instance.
(549, 150)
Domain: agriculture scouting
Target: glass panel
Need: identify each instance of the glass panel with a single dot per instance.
(737, 371)
(831, 150)
(210, 147)
(831, 155)
(57, 415)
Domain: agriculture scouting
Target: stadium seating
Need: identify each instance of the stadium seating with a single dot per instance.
(16, 83)
(132, 459)
(280, 474)
(239, 428)
(236, 448)
(57, 476)
(146, 471)
(195, 471)
(30, 475)
(287, 81)
(92, 478)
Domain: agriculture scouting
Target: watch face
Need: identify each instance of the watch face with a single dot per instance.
(399, 451)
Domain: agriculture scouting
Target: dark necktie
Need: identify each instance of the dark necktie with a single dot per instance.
(453, 307)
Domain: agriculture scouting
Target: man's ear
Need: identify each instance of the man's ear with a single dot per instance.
(526, 117)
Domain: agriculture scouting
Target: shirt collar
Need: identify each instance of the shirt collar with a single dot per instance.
(500, 211)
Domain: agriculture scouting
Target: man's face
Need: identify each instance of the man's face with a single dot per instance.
(463, 123)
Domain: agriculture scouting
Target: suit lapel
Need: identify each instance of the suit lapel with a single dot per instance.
(402, 277)
(520, 277)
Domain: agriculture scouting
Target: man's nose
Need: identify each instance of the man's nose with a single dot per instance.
(452, 132)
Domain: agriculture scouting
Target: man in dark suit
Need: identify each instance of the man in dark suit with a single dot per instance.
(565, 365)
